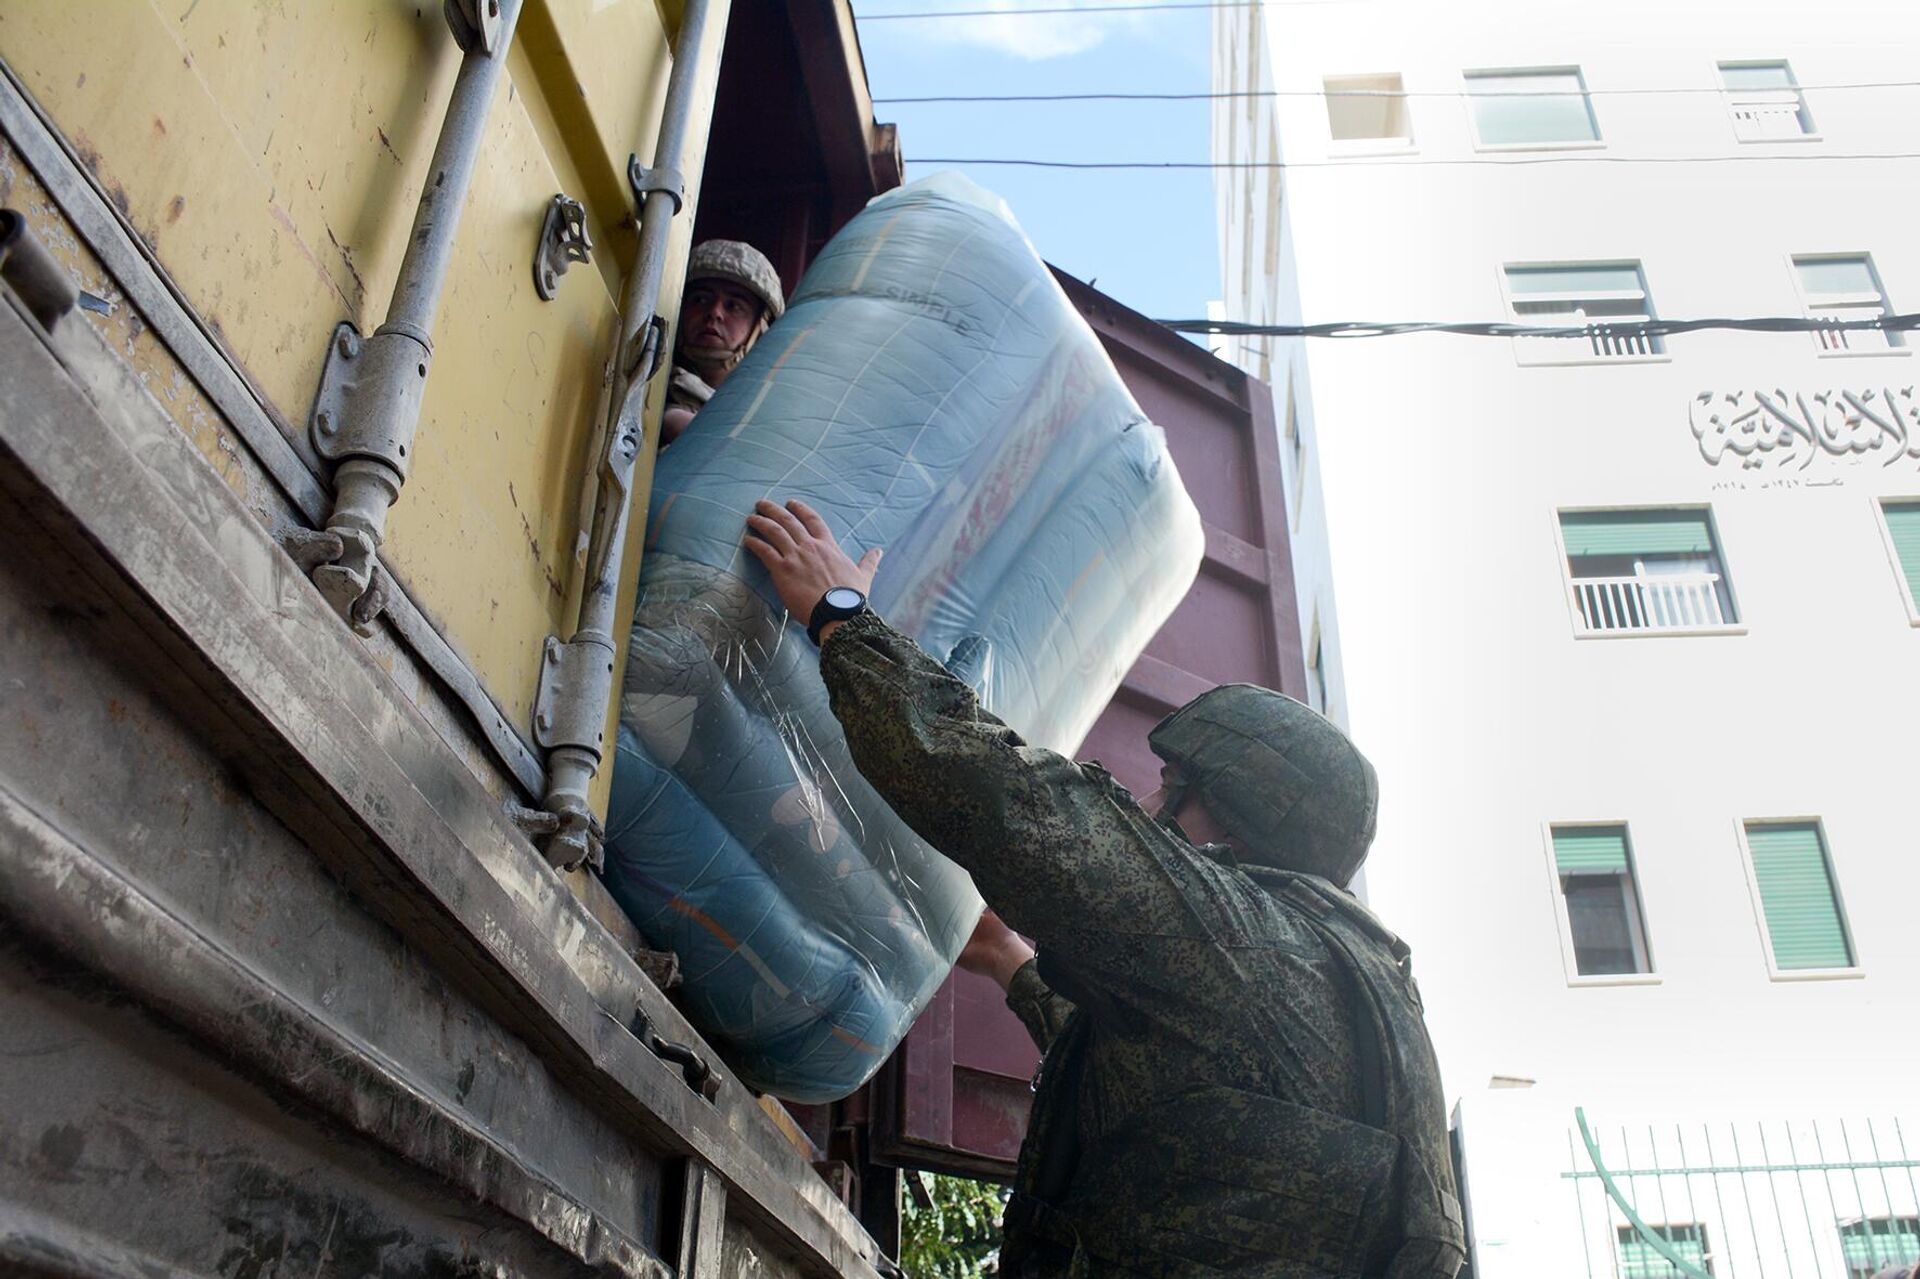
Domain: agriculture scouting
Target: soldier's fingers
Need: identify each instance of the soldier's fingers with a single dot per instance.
(780, 515)
(772, 532)
(870, 562)
(761, 551)
(810, 519)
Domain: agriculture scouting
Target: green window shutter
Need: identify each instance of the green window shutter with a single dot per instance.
(1796, 892)
(1876, 1242)
(1639, 1260)
(1636, 533)
(1903, 521)
(1590, 850)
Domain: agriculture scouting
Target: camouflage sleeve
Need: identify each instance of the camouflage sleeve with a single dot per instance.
(1041, 1010)
(1055, 847)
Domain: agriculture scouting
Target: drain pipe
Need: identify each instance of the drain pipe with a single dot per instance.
(368, 408)
(577, 678)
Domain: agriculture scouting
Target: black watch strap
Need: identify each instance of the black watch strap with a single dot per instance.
(838, 605)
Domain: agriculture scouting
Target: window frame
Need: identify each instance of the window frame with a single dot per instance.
(1598, 142)
(1569, 958)
(1879, 504)
(1316, 669)
(1730, 98)
(1896, 345)
(1295, 439)
(1524, 348)
(1774, 972)
(1574, 616)
(1388, 146)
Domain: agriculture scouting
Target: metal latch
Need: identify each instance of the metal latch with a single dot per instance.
(563, 241)
(693, 1068)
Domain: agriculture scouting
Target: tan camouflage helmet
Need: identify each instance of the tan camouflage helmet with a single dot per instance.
(742, 264)
(1280, 777)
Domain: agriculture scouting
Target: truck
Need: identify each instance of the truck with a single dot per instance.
(329, 392)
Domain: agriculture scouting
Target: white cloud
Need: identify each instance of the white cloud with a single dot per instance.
(1034, 38)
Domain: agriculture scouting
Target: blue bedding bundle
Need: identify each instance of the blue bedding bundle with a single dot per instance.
(932, 391)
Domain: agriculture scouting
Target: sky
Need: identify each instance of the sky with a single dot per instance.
(1145, 239)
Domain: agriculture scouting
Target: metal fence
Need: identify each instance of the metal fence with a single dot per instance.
(1770, 1199)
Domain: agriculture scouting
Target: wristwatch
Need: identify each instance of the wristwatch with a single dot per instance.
(837, 605)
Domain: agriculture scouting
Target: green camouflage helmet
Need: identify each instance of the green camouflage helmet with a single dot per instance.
(1280, 777)
(738, 263)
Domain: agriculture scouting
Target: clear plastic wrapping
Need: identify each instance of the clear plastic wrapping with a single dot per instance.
(930, 390)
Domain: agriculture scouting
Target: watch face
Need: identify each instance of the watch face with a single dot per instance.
(844, 597)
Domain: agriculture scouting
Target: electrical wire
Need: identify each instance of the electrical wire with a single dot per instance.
(1159, 5)
(1364, 93)
(1389, 160)
(1504, 329)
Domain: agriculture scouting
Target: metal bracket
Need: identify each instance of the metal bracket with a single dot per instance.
(475, 24)
(570, 708)
(369, 400)
(563, 241)
(667, 181)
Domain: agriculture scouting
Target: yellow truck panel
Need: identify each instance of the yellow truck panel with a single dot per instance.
(273, 166)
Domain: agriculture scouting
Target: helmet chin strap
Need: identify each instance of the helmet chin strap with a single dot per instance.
(1169, 815)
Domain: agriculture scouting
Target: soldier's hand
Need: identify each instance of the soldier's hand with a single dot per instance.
(994, 950)
(801, 556)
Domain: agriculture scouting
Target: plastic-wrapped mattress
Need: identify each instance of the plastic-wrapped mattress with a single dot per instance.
(930, 390)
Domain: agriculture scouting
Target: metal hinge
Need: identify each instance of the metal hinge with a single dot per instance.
(570, 708)
(563, 241)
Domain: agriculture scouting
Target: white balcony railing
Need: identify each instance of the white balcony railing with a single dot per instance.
(1860, 308)
(1598, 325)
(1776, 115)
(1671, 602)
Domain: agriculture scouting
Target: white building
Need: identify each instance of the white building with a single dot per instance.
(1628, 624)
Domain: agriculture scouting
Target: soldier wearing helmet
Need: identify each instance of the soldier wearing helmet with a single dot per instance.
(732, 295)
(1237, 1077)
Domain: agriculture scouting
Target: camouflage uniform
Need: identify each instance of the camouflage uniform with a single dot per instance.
(1204, 1103)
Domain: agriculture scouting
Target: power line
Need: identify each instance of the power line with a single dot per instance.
(1505, 329)
(1362, 93)
(1159, 5)
(1399, 162)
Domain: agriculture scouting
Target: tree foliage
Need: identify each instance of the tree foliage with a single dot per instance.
(959, 1236)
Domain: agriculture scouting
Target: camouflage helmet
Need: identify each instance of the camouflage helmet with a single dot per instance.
(1277, 774)
(739, 263)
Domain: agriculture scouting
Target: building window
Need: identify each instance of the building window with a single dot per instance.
(1590, 296)
(1873, 1243)
(1845, 287)
(1546, 108)
(1369, 108)
(1639, 1259)
(1646, 571)
(1903, 538)
(1604, 921)
(1765, 102)
(1296, 455)
(1793, 878)
(1316, 674)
